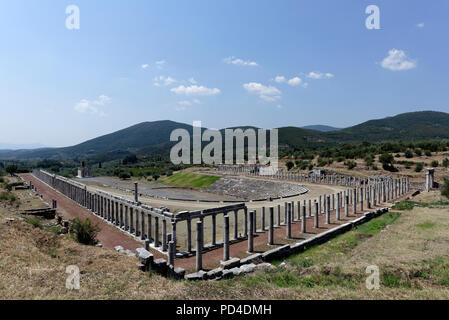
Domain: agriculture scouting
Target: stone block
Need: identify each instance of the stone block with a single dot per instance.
(118, 248)
(200, 275)
(231, 263)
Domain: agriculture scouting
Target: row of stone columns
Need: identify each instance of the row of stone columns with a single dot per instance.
(131, 218)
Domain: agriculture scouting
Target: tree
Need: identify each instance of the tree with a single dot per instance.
(124, 175)
(84, 231)
(387, 161)
(419, 166)
(289, 165)
(156, 176)
(11, 169)
(445, 188)
(445, 162)
(130, 159)
(408, 154)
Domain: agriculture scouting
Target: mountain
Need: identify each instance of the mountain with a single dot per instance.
(154, 137)
(321, 128)
(9, 146)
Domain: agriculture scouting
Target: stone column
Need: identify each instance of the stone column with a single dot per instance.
(117, 214)
(289, 222)
(171, 254)
(156, 231)
(429, 178)
(136, 193)
(173, 232)
(136, 225)
(317, 217)
(226, 238)
(263, 219)
(245, 213)
(236, 224)
(251, 232)
(199, 245)
(279, 216)
(214, 229)
(354, 203)
(361, 199)
(164, 235)
(304, 219)
(298, 204)
(271, 227)
(189, 234)
(142, 228)
(337, 212)
(149, 227)
(310, 208)
(285, 213)
(328, 210)
(255, 222)
(346, 206)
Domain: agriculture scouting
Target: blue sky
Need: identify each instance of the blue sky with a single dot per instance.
(226, 63)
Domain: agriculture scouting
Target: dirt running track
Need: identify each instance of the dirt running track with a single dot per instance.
(110, 236)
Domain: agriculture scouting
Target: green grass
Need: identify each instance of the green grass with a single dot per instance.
(190, 180)
(311, 268)
(6, 196)
(426, 225)
(404, 205)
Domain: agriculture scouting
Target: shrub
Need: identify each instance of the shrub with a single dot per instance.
(435, 163)
(419, 166)
(418, 152)
(445, 188)
(84, 231)
(156, 176)
(6, 196)
(350, 164)
(124, 175)
(428, 153)
(408, 154)
(445, 162)
(11, 169)
(289, 165)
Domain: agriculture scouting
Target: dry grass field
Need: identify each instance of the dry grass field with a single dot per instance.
(410, 247)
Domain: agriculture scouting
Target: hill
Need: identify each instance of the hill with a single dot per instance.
(154, 137)
(321, 128)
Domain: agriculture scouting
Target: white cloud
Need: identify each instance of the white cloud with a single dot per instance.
(279, 106)
(163, 81)
(420, 25)
(189, 102)
(397, 60)
(279, 79)
(195, 90)
(160, 64)
(180, 108)
(87, 106)
(316, 75)
(267, 93)
(240, 62)
(192, 81)
(294, 81)
(145, 66)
